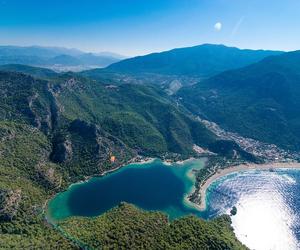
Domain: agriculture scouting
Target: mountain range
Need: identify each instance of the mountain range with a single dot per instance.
(202, 61)
(179, 67)
(63, 128)
(260, 101)
(60, 59)
(60, 128)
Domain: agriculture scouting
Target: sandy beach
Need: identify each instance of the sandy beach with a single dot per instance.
(136, 161)
(244, 167)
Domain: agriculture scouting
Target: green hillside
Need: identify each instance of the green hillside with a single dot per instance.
(27, 179)
(259, 101)
(33, 71)
(127, 227)
(59, 131)
(132, 119)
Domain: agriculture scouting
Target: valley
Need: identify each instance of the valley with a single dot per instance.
(149, 125)
(58, 129)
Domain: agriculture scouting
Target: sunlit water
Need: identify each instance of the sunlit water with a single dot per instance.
(268, 207)
(268, 203)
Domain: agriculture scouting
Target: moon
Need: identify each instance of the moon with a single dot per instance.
(218, 26)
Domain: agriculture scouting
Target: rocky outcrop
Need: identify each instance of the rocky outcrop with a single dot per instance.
(94, 145)
(9, 203)
(86, 149)
(48, 176)
(62, 151)
(55, 108)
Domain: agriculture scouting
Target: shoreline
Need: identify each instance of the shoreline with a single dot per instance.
(240, 168)
(138, 160)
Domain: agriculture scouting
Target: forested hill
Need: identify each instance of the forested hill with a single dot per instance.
(56, 132)
(143, 118)
(201, 61)
(33, 71)
(260, 101)
(130, 228)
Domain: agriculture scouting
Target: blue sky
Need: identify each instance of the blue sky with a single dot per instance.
(135, 27)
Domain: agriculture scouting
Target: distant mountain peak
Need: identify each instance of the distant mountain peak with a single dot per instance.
(202, 60)
(58, 58)
(259, 101)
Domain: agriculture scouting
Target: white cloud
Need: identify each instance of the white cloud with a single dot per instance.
(218, 26)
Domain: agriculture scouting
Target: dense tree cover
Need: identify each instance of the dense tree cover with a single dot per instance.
(259, 101)
(57, 131)
(61, 129)
(114, 120)
(203, 60)
(142, 117)
(33, 71)
(23, 149)
(127, 227)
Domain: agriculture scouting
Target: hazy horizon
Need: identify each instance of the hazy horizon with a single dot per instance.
(134, 27)
(129, 56)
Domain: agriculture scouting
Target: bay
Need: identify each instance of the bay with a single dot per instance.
(267, 202)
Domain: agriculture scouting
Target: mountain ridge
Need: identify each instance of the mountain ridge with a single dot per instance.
(49, 57)
(201, 60)
(259, 101)
(58, 131)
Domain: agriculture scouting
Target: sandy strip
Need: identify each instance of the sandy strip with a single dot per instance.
(131, 162)
(244, 167)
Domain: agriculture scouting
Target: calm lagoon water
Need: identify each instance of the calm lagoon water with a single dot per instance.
(150, 186)
(268, 203)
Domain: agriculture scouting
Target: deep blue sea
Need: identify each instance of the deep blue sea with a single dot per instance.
(268, 203)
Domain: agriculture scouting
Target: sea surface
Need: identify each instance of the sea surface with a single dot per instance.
(268, 207)
(268, 202)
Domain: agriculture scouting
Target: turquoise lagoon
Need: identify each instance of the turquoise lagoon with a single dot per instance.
(268, 202)
(150, 186)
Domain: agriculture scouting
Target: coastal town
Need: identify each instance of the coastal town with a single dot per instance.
(269, 155)
(262, 150)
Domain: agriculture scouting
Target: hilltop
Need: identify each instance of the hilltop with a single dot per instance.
(260, 101)
(62, 129)
(202, 61)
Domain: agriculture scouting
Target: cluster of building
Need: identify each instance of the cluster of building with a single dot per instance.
(268, 152)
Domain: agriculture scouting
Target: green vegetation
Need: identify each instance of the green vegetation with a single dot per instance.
(126, 227)
(58, 131)
(260, 101)
(22, 188)
(66, 127)
(111, 120)
(33, 71)
(142, 117)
